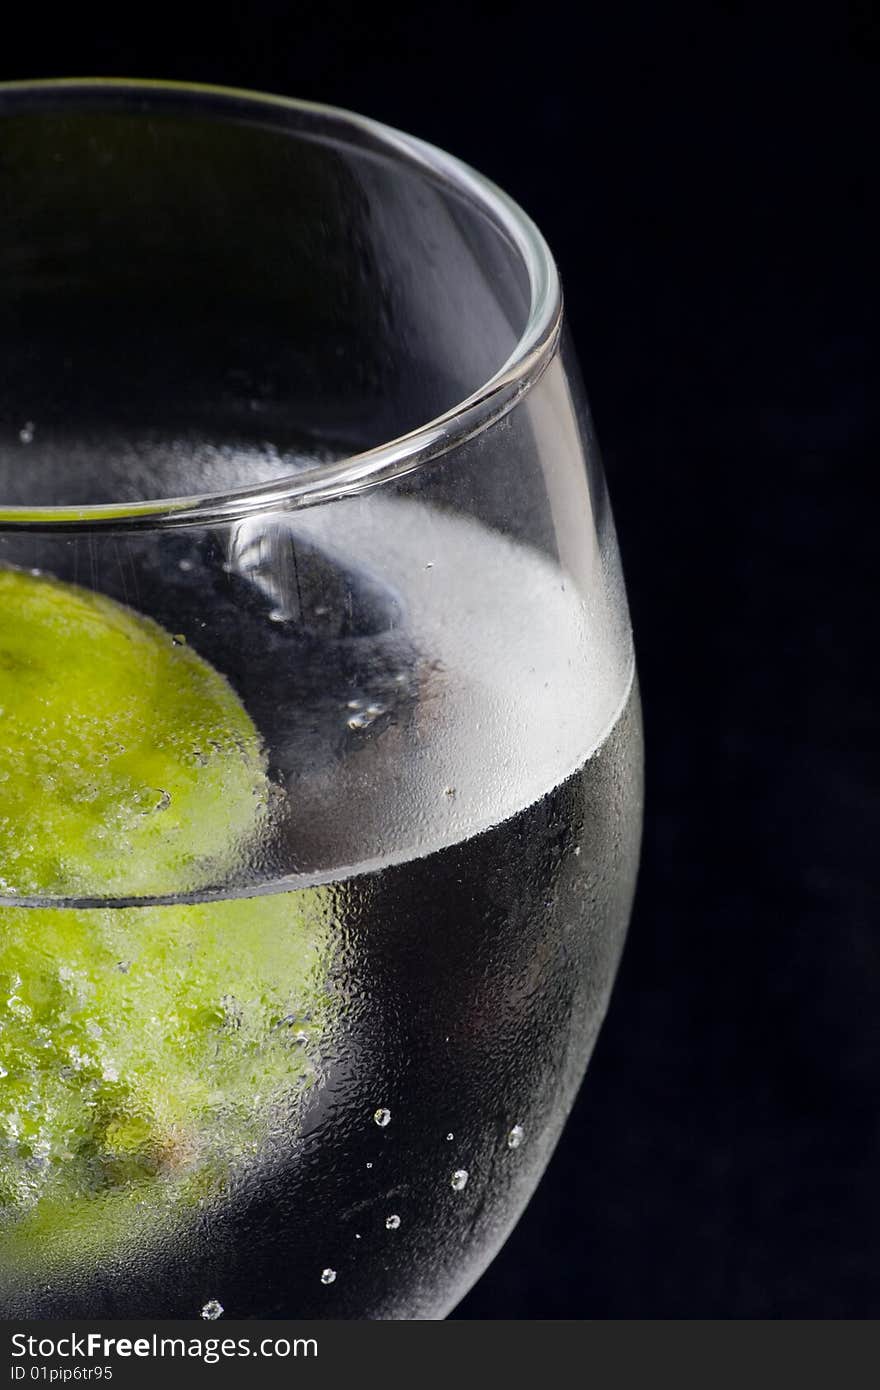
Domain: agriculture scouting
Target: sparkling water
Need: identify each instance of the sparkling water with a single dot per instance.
(451, 724)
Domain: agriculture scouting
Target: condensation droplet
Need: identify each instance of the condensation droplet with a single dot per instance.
(459, 1179)
(212, 1310)
(27, 431)
(515, 1137)
(328, 1276)
(392, 1222)
(382, 1117)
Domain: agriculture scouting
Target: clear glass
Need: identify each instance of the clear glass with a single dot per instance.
(320, 781)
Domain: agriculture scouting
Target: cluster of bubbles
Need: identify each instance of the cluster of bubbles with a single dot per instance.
(458, 1182)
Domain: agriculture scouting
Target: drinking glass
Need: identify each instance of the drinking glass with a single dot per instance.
(320, 777)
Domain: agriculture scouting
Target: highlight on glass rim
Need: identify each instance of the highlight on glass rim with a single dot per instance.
(320, 745)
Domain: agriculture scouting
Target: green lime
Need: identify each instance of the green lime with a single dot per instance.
(147, 1054)
(128, 766)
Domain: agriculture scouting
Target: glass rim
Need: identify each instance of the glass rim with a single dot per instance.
(325, 482)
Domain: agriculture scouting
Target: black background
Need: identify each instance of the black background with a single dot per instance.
(701, 173)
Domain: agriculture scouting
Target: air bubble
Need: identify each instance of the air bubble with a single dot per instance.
(392, 1222)
(328, 1276)
(515, 1137)
(382, 1117)
(459, 1179)
(27, 431)
(212, 1310)
(450, 1136)
(365, 714)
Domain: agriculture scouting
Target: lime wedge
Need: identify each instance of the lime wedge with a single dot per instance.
(148, 1054)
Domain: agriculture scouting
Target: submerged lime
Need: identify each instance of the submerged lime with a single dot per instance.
(128, 766)
(146, 1053)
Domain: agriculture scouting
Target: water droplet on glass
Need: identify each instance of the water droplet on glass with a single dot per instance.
(515, 1137)
(382, 1117)
(392, 1223)
(212, 1310)
(328, 1276)
(459, 1179)
(26, 433)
